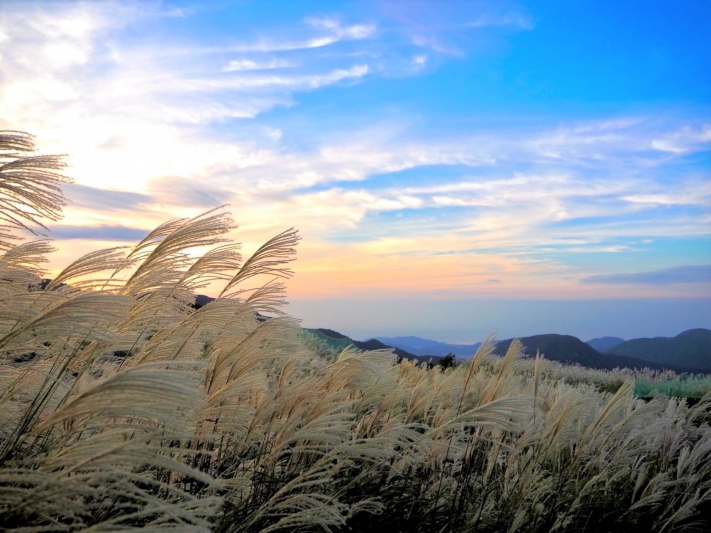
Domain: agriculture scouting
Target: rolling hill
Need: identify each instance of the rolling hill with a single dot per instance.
(691, 348)
(571, 350)
(338, 343)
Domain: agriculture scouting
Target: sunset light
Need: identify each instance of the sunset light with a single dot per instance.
(456, 151)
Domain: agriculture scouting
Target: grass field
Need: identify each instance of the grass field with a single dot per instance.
(122, 407)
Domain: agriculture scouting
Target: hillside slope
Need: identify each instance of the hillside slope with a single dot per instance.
(339, 341)
(691, 348)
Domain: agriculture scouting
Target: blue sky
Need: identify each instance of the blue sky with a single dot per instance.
(428, 151)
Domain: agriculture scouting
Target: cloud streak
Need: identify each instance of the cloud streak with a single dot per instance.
(98, 233)
(666, 276)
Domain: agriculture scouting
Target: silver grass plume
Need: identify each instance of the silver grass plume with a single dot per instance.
(30, 189)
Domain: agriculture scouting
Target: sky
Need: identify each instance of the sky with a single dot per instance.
(454, 168)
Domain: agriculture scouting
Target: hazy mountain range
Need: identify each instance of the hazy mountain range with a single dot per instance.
(690, 351)
(571, 350)
(690, 348)
(603, 344)
(420, 346)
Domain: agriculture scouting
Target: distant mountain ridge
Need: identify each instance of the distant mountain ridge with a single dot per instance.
(603, 344)
(690, 351)
(562, 348)
(691, 348)
(427, 347)
(571, 350)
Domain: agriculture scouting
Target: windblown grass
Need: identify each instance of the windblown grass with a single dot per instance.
(121, 407)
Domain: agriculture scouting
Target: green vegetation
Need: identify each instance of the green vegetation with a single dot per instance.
(337, 344)
(681, 387)
(137, 411)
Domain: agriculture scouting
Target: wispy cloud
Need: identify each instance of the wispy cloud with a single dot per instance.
(446, 27)
(333, 25)
(177, 191)
(685, 140)
(239, 65)
(666, 276)
(98, 233)
(94, 198)
(332, 32)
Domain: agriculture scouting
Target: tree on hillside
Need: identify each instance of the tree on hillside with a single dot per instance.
(448, 361)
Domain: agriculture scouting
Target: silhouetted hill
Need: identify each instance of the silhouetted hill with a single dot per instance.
(201, 300)
(603, 344)
(691, 348)
(420, 346)
(571, 350)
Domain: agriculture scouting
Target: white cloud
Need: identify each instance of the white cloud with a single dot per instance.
(436, 44)
(683, 141)
(356, 31)
(687, 192)
(238, 65)
(334, 33)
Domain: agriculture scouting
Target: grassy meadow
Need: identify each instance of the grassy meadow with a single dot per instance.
(123, 407)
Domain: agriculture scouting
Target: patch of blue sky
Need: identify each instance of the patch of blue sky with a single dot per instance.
(612, 51)
(624, 254)
(651, 59)
(695, 163)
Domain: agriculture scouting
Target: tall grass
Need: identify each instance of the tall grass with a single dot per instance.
(122, 407)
